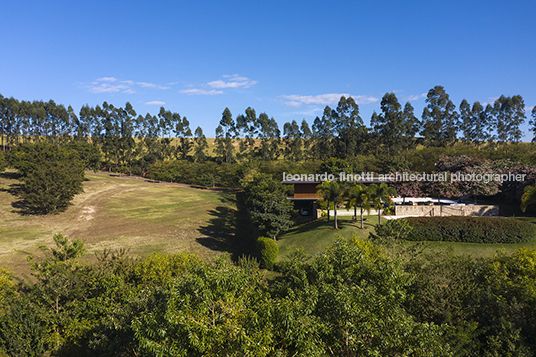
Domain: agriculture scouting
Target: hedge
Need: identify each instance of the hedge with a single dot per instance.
(268, 252)
(471, 229)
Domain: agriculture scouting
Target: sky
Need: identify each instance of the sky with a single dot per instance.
(288, 59)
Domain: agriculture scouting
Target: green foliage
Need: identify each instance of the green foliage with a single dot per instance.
(268, 250)
(471, 229)
(267, 204)
(52, 176)
(390, 233)
(351, 302)
(89, 154)
(3, 163)
(332, 192)
(214, 310)
(160, 269)
(380, 195)
(528, 198)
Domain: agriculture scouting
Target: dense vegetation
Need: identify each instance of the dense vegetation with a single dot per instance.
(470, 229)
(354, 300)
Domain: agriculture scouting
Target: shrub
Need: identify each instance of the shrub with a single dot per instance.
(3, 163)
(268, 251)
(471, 229)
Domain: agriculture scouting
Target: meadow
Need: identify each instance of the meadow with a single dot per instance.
(121, 213)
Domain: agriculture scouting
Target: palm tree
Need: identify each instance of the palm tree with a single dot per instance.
(528, 198)
(380, 194)
(331, 191)
(358, 196)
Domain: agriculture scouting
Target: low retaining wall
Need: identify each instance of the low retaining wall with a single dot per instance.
(445, 210)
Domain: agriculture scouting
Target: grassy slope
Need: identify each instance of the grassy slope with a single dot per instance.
(123, 213)
(318, 235)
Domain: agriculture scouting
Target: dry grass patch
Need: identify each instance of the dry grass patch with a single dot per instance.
(115, 213)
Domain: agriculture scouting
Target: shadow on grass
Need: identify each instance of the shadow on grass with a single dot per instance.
(322, 223)
(20, 205)
(229, 230)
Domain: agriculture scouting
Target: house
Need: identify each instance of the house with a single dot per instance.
(305, 196)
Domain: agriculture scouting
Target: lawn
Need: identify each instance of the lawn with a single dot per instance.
(115, 213)
(315, 236)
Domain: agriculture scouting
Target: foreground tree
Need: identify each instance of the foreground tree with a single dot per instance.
(52, 176)
(268, 205)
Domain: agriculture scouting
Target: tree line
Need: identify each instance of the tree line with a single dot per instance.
(132, 142)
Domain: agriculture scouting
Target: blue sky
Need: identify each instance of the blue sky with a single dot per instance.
(286, 58)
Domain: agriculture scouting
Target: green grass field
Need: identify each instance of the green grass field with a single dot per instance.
(315, 236)
(115, 213)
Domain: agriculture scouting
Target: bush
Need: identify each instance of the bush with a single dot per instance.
(52, 176)
(268, 252)
(2, 162)
(471, 229)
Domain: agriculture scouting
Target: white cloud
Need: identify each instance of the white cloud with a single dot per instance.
(415, 97)
(151, 85)
(156, 102)
(326, 99)
(107, 79)
(108, 88)
(108, 85)
(197, 91)
(529, 109)
(232, 81)
(292, 103)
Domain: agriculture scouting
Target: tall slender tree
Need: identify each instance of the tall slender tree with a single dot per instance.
(349, 128)
(509, 115)
(439, 118)
(533, 124)
(225, 133)
(201, 145)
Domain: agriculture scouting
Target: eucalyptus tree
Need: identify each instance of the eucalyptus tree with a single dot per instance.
(182, 129)
(127, 119)
(165, 125)
(475, 121)
(411, 126)
(440, 121)
(509, 114)
(225, 133)
(10, 121)
(323, 135)
(389, 124)
(349, 127)
(201, 145)
(532, 122)
(293, 141)
(246, 127)
(306, 134)
(269, 135)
